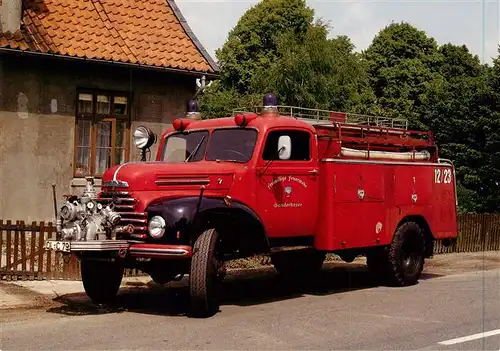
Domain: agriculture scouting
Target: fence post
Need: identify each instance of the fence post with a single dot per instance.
(33, 248)
(49, 253)
(15, 263)
(40, 249)
(484, 233)
(1, 244)
(24, 256)
(9, 247)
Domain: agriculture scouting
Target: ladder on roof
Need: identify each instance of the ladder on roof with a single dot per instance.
(325, 118)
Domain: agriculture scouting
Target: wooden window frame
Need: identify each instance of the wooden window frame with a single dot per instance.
(94, 118)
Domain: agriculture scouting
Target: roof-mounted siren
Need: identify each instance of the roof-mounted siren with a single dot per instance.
(243, 119)
(192, 110)
(270, 105)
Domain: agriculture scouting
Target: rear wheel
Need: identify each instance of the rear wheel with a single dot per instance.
(101, 280)
(205, 277)
(403, 262)
(299, 264)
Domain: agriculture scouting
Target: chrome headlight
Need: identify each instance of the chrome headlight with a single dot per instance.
(143, 137)
(156, 227)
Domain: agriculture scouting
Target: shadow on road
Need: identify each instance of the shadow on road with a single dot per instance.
(241, 288)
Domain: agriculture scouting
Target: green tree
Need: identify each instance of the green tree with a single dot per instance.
(401, 63)
(491, 130)
(219, 102)
(457, 112)
(252, 43)
(316, 72)
(276, 47)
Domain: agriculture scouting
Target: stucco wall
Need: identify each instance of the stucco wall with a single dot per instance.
(37, 138)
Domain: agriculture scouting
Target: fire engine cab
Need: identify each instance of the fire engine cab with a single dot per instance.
(289, 182)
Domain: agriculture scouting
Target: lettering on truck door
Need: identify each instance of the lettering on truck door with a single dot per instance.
(287, 184)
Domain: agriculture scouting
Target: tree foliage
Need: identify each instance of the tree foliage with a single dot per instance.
(278, 47)
(251, 44)
(402, 63)
(456, 112)
(315, 72)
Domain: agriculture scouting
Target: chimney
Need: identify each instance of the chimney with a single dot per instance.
(10, 15)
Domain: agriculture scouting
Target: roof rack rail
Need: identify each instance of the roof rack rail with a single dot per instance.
(320, 117)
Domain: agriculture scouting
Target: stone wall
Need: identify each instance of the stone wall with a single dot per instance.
(38, 98)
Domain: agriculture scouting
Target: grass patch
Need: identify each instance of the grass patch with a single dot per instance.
(265, 261)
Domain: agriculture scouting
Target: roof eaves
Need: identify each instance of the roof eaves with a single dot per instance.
(192, 36)
(116, 63)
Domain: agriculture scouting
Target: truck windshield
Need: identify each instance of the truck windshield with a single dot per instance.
(233, 145)
(179, 146)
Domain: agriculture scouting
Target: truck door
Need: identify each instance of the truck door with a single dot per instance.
(287, 182)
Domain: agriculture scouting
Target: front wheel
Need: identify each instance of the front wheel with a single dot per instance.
(101, 279)
(204, 278)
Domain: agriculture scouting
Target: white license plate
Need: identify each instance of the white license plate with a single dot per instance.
(64, 246)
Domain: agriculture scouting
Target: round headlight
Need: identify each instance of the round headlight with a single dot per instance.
(144, 137)
(156, 227)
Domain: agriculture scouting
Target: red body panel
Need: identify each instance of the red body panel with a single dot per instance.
(343, 202)
(365, 201)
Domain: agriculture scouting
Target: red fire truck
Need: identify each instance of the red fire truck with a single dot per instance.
(289, 182)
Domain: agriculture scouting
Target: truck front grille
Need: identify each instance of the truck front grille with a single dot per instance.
(125, 205)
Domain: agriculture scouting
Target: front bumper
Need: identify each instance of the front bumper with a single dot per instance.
(122, 247)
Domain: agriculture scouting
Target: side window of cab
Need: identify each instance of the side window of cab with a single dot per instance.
(287, 145)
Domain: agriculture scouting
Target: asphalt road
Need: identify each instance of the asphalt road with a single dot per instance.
(341, 310)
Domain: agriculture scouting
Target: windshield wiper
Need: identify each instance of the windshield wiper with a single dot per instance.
(195, 150)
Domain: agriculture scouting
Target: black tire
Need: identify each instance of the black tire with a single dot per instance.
(298, 264)
(403, 262)
(101, 280)
(204, 279)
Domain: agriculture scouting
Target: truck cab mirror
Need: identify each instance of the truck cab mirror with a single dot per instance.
(284, 147)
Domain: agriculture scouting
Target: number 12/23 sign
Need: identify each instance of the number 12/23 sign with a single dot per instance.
(442, 176)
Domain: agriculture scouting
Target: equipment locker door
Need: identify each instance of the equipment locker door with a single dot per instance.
(287, 188)
(360, 210)
(373, 203)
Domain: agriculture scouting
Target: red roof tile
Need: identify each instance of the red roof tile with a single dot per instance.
(146, 32)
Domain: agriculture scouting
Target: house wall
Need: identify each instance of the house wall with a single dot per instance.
(37, 123)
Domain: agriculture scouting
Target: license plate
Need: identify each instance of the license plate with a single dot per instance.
(64, 246)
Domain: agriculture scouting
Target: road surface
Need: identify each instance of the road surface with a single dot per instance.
(342, 310)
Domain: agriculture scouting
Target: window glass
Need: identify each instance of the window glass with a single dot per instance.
(120, 105)
(120, 147)
(82, 166)
(103, 146)
(234, 145)
(108, 122)
(300, 145)
(84, 103)
(103, 104)
(179, 146)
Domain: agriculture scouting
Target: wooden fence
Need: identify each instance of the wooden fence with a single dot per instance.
(477, 232)
(23, 257)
